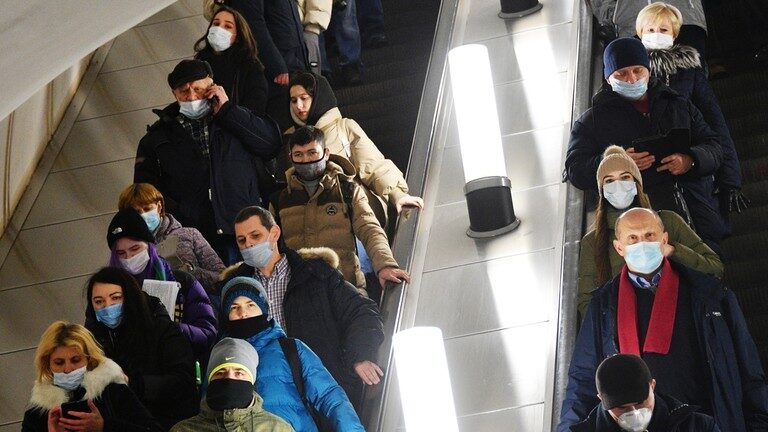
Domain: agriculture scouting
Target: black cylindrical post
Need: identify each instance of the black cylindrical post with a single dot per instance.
(489, 202)
(518, 8)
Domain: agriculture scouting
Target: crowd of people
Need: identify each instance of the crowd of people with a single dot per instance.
(248, 256)
(662, 343)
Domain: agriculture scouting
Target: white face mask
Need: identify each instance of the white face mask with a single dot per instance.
(658, 40)
(137, 263)
(219, 38)
(635, 420)
(620, 193)
(195, 109)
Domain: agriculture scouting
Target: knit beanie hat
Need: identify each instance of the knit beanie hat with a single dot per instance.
(616, 158)
(128, 223)
(622, 379)
(244, 286)
(230, 352)
(188, 71)
(624, 52)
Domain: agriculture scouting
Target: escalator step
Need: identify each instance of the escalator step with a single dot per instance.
(751, 124)
(409, 17)
(754, 217)
(367, 110)
(738, 84)
(742, 104)
(755, 191)
(754, 169)
(752, 146)
(375, 90)
(753, 300)
(746, 245)
(396, 52)
(746, 273)
(397, 69)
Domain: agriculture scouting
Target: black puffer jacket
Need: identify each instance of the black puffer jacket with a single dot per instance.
(159, 364)
(669, 415)
(328, 314)
(242, 78)
(614, 120)
(204, 194)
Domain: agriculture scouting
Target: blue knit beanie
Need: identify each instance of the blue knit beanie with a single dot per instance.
(247, 287)
(624, 52)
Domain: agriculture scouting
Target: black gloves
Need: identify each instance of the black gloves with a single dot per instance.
(732, 200)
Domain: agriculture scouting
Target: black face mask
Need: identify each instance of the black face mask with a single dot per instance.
(224, 394)
(245, 328)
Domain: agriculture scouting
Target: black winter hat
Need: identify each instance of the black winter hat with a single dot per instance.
(622, 379)
(128, 223)
(624, 52)
(188, 71)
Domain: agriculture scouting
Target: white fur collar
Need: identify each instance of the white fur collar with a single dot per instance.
(667, 62)
(46, 395)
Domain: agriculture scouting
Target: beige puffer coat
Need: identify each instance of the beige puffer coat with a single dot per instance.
(315, 14)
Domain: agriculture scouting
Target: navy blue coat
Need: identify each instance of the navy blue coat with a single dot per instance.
(737, 387)
(613, 120)
(203, 194)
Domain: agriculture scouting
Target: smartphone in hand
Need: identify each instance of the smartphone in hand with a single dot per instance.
(77, 406)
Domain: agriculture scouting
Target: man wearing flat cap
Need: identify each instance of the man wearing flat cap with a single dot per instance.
(628, 402)
(206, 155)
(633, 106)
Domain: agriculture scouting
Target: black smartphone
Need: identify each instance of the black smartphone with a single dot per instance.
(77, 406)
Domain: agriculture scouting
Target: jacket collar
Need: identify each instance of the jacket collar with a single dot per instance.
(665, 62)
(46, 395)
(237, 415)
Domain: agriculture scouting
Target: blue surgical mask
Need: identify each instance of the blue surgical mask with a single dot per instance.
(629, 91)
(620, 193)
(110, 316)
(195, 109)
(643, 257)
(152, 218)
(69, 381)
(258, 255)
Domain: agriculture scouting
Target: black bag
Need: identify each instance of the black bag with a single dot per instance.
(292, 355)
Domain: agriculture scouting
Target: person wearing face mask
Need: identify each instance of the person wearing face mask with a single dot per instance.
(133, 249)
(207, 154)
(323, 206)
(70, 367)
(230, 402)
(628, 401)
(228, 46)
(311, 300)
(245, 315)
(633, 107)
(686, 326)
(620, 186)
(135, 331)
(191, 252)
(679, 66)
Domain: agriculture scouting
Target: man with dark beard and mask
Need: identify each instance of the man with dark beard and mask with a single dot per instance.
(231, 403)
(323, 206)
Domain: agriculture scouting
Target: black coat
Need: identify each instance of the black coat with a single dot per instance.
(613, 120)
(202, 194)
(669, 415)
(330, 316)
(242, 78)
(159, 365)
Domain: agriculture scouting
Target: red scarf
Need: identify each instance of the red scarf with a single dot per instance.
(659, 335)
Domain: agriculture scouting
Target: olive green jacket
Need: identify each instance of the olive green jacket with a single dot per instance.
(690, 251)
(251, 419)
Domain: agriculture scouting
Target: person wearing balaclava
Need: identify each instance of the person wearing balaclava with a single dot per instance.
(628, 402)
(685, 325)
(245, 315)
(230, 402)
(206, 155)
(620, 186)
(633, 106)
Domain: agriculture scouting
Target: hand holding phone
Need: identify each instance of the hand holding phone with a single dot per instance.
(217, 97)
(80, 415)
(77, 406)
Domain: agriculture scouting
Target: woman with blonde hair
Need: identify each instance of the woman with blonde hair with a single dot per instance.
(71, 367)
(621, 187)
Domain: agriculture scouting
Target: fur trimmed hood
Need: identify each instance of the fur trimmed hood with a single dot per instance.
(666, 62)
(46, 395)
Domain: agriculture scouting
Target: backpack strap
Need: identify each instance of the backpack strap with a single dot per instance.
(346, 196)
(292, 355)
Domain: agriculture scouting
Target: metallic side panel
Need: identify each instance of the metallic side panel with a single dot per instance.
(180, 9)
(129, 90)
(522, 419)
(541, 165)
(483, 23)
(22, 310)
(56, 252)
(17, 376)
(104, 139)
(500, 369)
(150, 44)
(80, 193)
(449, 245)
(481, 297)
(533, 104)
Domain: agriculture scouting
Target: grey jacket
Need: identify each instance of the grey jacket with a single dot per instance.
(623, 13)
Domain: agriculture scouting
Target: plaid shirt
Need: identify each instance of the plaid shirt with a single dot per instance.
(276, 286)
(198, 130)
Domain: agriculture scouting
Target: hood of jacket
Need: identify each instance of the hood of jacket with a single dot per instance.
(337, 166)
(323, 100)
(665, 62)
(46, 395)
(168, 224)
(328, 255)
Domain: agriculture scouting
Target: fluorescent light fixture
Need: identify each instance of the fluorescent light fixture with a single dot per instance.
(425, 385)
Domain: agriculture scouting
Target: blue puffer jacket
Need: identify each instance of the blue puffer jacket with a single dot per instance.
(738, 390)
(274, 382)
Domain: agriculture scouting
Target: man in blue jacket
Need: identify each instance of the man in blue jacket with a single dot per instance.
(205, 154)
(685, 325)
